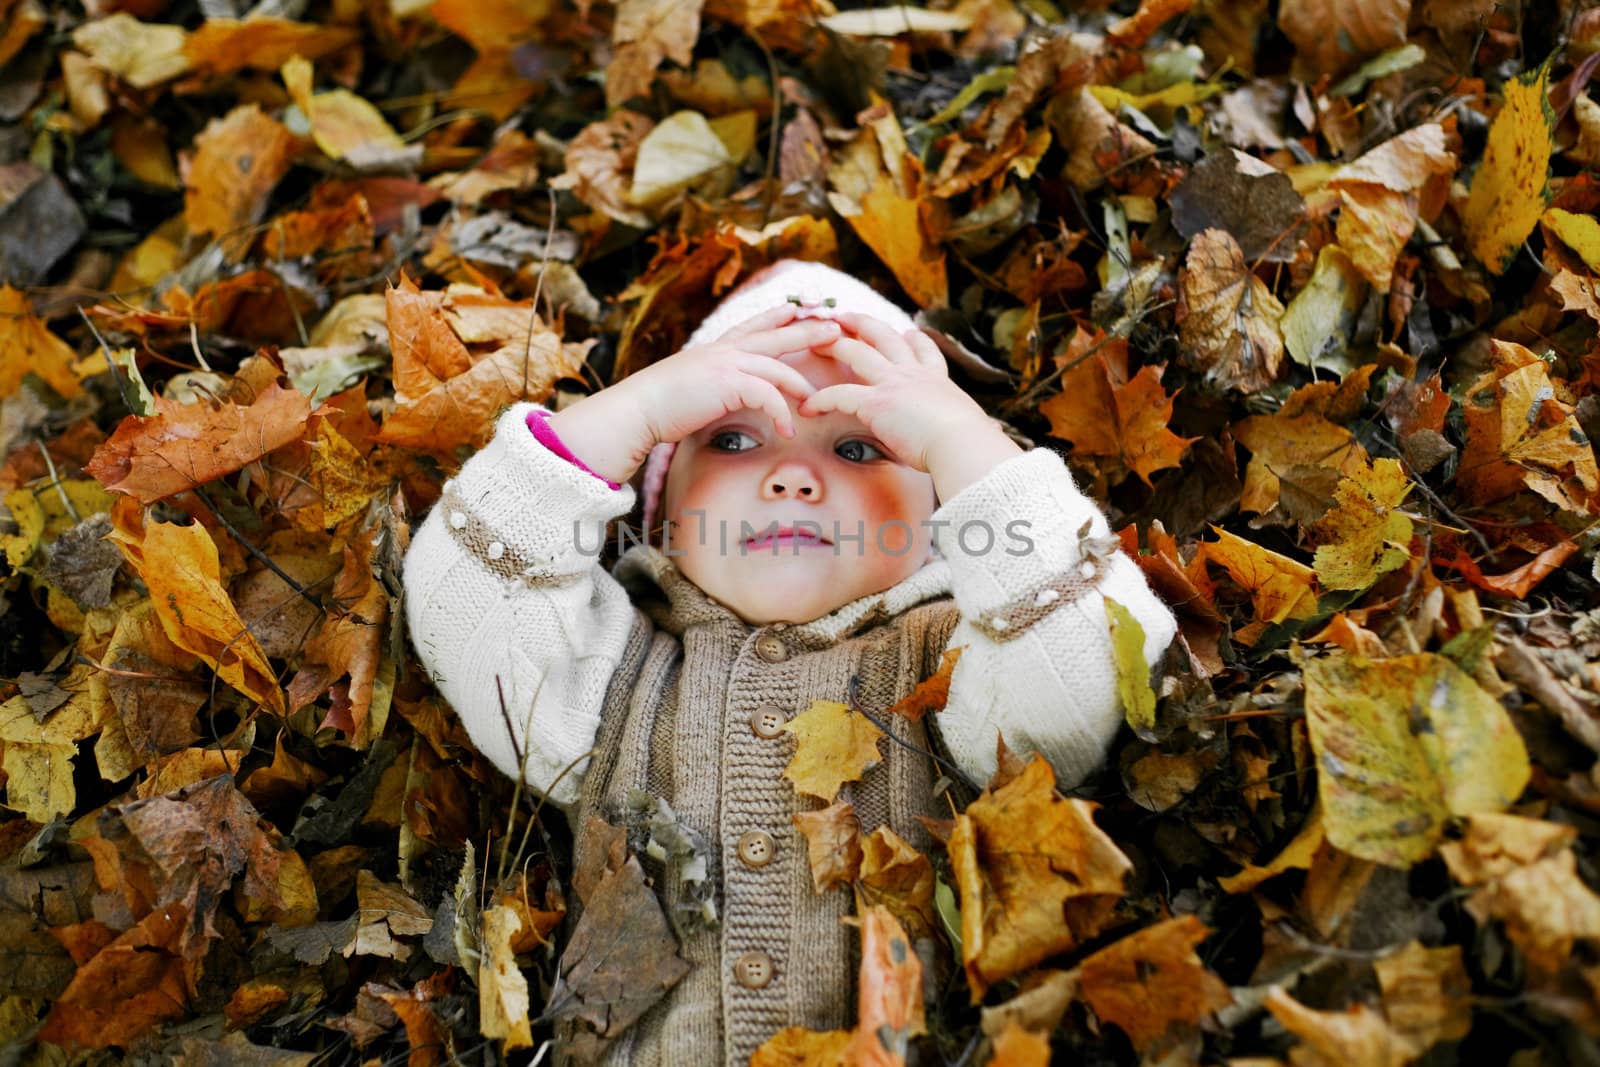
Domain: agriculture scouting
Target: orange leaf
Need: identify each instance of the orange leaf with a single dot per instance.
(1280, 443)
(151, 457)
(834, 745)
(1279, 587)
(237, 162)
(133, 983)
(898, 877)
(446, 394)
(1152, 985)
(1104, 414)
(179, 564)
(26, 344)
(933, 692)
(795, 1046)
(1035, 874)
(890, 994)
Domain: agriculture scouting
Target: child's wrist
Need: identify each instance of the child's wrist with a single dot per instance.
(600, 429)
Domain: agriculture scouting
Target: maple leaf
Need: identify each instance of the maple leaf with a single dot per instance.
(933, 692)
(446, 394)
(1280, 588)
(833, 844)
(1227, 317)
(181, 568)
(1511, 186)
(1364, 535)
(27, 345)
(833, 745)
(1152, 985)
(1403, 745)
(1103, 413)
(1034, 873)
(125, 985)
(152, 457)
(896, 876)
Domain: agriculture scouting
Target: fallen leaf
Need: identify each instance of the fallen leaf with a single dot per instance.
(1151, 984)
(1133, 671)
(238, 160)
(134, 982)
(502, 989)
(385, 912)
(599, 164)
(1426, 995)
(1016, 1047)
(1365, 535)
(645, 33)
(143, 54)
(346, 126)
(1403, 745)
(796, 1046)
(1296, 855)
(621, 959)
(1331, 34)
(1545, 907)
(896, 876)
(932, 692)
(1024, 860)
(681, 149)
(1103, 413)
(833, 745)
(1318, 322)
(833, 844)
(1331, 1039)
(27, 346)
(1227, 317)
(1496, 844)
(889, 987)
(220, 46)
(1281, 446)
(179, 564)
(1280, 588)
(1511, 187)
(1254, 202)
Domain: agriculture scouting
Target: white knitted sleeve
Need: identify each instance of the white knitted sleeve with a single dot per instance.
(1037, 665)
(505, 594)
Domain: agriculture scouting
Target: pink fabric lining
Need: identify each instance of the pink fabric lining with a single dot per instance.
(548, 437)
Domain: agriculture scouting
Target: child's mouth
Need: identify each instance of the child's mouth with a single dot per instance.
(786, 540)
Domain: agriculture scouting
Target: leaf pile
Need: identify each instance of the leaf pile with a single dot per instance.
(1307, 292)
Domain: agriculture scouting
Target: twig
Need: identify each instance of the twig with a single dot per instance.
(263, 558)
(55, 480)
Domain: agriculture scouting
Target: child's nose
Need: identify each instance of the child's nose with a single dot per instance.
(792, 479)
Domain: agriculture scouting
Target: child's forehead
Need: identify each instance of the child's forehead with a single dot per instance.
(820, 371)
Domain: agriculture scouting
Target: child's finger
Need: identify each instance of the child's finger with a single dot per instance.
(769, 319)
(761, 395)
(864, 360)
(846, 397)
(780, 374)
(879, 335)
(807, 333)
(926, 350)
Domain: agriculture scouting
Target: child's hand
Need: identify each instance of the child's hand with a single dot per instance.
(908, 400)
(701, 384)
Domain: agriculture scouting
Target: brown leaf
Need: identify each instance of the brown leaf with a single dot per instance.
(1227, 317)
(621, 960)
(932, 692)
(645, 33)
(1330, 35)
(1426, 994)
(1279, 444)
(137, 980)
(833, 844)
(599, 162)
(898, 877)
(1152, 985)
(1023, 857)
(833, 745)
(151, 457)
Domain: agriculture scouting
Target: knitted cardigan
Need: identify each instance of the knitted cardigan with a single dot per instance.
(662, 682)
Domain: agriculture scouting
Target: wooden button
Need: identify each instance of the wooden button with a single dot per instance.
(767, 721)
(770, 647)
(753, 970)
(757, 848)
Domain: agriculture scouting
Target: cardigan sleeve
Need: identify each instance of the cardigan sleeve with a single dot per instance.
(1031, 563)
(505, 595)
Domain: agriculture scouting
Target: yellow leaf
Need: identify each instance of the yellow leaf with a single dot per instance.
(1426, 994)
(1364, 536)
(1335, 1038)
(502, 990)
(1133, 672)
(1181, 94)
(1581, 233)
(1403, 745)
(1495, 844)
(1280, 588)
(1545, 907)
(833, 745)
(1296, 855)
(795, 1046)
(1318, 321)
(179, 564)
(1511, 187)
(344, 125)
(1279, 443)
(142, 54)
(26, 344)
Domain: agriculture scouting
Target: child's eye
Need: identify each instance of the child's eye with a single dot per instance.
(863, 444)
(721, 434)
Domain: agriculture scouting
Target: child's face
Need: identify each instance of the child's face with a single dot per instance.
(737, 469)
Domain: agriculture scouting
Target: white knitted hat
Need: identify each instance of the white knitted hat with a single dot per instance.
(823, 293)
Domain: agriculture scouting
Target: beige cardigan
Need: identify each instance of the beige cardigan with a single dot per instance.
(664, 684)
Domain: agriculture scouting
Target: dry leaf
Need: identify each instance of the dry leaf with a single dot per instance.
(1152, 985)
(645, 33)
(1426, 995)
(932, 692)
(1024, 859)
(833, 844)
(1332, 1039)
(237, 162)
(833, 745)
(1365, 535)
(890, 994)
(27, 346)
(1403, 745)
(1228, 318)
(1510, 189)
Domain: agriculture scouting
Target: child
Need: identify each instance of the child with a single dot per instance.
(920, 526)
